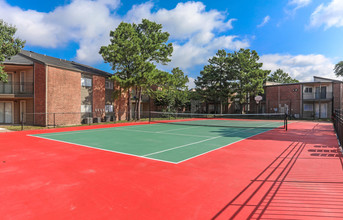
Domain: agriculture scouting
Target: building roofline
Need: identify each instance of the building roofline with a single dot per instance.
(299, 83)
(334, 80)
(62, 63)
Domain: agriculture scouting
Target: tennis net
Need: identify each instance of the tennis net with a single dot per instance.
(268, 120)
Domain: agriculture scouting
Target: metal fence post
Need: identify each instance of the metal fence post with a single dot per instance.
(54, 120)
(22, 120)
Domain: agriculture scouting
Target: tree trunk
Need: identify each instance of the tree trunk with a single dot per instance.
(139, 104)
(129, 105)
(221, 107)
(135, 108)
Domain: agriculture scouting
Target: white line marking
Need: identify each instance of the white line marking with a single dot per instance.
(174, 129)
(154, 132)
(203, 141)
(118, 128)
(144, 156)
(166, 161)
(157, 152)
(198, 155)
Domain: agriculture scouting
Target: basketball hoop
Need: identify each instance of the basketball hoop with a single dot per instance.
(258, 99)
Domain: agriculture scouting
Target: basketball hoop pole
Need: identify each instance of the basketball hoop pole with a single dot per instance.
(258, 99)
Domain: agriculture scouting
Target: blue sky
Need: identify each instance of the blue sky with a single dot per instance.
(302, 37)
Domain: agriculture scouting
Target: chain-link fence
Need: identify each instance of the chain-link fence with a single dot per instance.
(60, 119)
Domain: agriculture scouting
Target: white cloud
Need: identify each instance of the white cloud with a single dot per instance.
(86, 22)
(185, 20)
(330, 15)
(301, 67)
(194, 30)
(299, 3)
(191, 83)
(264, 22)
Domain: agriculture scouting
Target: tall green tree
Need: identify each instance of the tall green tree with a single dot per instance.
(132, 53)
(174, 93)
(123, 54)
(339, 69)
(9, 45)
(280, 76)
(249, 75)
(214, 82)
(153, 49)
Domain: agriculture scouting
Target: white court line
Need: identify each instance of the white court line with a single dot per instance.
(69, 132)
(162, 151)
(166, 161)
(99, 129)
(123, 129)
(159, 132)
(181, 146)
(198, 155)
(177, 129)
(144, 156)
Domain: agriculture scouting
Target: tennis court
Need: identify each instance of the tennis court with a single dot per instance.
(176, 169)
(172, 140)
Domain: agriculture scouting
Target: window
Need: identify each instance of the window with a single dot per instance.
(109, 108)
(108, 84)
(308, 107)
(86, 82)
(86, 108)
(22, 81)
(308, 90)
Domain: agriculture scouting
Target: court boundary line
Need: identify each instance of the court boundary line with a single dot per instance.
(177, 147)
(144, 156)
(123, 129)
(185, 145)
(82, 145)
(158, 132)
(223, 146)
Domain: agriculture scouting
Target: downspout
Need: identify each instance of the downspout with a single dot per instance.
(46, 95)
(302, 100)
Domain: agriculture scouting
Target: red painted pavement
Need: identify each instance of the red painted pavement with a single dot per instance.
(294, 174)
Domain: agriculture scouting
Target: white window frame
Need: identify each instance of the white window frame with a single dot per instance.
(86, 82)
(22, 81)
(306, 90)
(12, 112)
(109, 108)
(86, 108)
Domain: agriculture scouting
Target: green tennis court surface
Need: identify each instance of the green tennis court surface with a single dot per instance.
(165, 142)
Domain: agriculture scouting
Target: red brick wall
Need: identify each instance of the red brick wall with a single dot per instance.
(64, 96)
(99, 95)
(283, 95)
(39, 94)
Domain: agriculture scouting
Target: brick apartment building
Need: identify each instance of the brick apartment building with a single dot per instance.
(312, 100)
(44, 89)
(308, 100)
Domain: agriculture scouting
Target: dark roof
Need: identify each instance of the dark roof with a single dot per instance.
(27, 57)
(333, 80)
(18, 60)
(300, 83)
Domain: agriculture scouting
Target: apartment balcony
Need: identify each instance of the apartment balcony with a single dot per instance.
(316, 96)
(13, 90)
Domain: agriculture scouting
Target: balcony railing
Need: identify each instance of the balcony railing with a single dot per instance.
(318, 96)
(16, 88)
